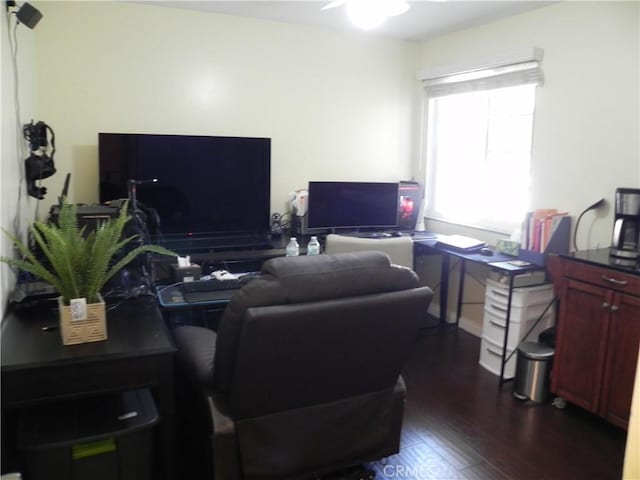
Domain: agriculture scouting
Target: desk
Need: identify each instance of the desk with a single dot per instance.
(37, 368)
(424, 243)
(496, 261)
(177, 311)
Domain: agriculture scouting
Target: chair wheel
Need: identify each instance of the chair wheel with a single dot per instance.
(559, 403)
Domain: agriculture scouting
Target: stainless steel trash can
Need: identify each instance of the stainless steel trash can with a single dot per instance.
(532, 372)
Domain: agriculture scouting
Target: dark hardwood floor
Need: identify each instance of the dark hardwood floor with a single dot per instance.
(460, 425)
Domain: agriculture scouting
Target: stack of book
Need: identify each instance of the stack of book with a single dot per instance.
(544, 231)
(539, 227)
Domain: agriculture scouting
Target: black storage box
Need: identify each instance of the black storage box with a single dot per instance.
(100, 438)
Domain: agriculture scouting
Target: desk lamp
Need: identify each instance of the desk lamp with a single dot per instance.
(593, 206)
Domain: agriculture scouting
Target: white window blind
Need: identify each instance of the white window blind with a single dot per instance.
(488, 79)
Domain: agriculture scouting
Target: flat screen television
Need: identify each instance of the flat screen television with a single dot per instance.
(205, 185)
(352, 205)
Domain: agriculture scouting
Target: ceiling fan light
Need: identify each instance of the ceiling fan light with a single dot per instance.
(366, 14)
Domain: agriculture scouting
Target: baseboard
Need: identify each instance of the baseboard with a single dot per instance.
(469, 325)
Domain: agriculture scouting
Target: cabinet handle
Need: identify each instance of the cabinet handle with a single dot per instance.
(615, 308)
(605, 305)
(493, 352)
(496, 307)
(498, 324)
(622, 283)
(500, 293)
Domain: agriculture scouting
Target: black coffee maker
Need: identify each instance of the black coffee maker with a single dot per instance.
(625, 246)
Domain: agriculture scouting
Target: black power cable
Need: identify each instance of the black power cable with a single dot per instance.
(593, 206)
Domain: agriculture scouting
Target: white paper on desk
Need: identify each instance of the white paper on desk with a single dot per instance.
(510, 265)
(460, 242)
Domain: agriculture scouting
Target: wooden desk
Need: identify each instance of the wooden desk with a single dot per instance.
(37, 368)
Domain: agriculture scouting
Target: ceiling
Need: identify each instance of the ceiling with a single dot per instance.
(424, 20)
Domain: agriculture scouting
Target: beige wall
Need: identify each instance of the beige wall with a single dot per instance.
(586, 128)
(15, 215)
(336, 105)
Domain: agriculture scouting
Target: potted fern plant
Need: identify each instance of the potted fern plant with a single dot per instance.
(78, 265)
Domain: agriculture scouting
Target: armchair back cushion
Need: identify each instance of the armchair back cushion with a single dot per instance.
(298, 283)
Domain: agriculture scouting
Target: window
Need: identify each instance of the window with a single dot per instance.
(478, 146)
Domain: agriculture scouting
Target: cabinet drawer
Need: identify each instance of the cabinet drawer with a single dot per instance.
(604, 277)
(491, 358)
(522, 296)
(518, 315)
(494, 326)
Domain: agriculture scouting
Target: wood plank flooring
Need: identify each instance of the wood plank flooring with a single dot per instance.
(459, 425)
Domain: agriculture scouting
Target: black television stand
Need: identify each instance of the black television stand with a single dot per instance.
(204, 244)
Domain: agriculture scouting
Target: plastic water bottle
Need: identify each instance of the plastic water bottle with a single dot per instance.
(293, 249)
(313, 247)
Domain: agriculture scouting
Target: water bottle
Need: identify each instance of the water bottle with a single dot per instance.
(293, 249)
(313, 247)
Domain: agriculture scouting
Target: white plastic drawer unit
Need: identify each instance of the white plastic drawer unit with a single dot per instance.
(522, 296)
(528, 304)
(494, 326)
(491, 358)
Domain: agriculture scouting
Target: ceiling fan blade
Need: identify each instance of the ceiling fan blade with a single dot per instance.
(397, 7)
(334, 4)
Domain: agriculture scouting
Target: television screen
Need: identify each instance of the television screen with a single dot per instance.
(352, 205)
(197, 184)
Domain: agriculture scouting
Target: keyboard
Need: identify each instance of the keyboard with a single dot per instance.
(211, 285)
(213, 290)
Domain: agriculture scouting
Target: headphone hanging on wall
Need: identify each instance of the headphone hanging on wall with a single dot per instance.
(39, 164)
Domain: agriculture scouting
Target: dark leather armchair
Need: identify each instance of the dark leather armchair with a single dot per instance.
(303, 376)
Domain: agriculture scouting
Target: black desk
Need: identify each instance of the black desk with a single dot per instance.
(424, 243)
(37, 368)
(496, 261)
(177, 311)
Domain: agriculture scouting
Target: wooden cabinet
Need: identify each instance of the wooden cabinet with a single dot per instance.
(597, 338)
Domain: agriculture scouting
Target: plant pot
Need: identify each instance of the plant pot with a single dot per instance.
(83, 325)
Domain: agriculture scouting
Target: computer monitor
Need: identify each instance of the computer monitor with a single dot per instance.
(352, 205)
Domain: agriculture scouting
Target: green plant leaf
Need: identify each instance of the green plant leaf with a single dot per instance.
(78, 263)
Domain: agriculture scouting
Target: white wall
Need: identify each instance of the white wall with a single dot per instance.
(586, 127)
(15, 207)
(337, 106)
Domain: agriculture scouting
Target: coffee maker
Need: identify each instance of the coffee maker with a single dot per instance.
(625, 246)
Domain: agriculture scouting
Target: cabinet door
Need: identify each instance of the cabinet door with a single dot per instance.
(581, 344)
(622, 358)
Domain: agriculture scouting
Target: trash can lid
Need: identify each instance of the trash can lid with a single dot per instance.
(536, 351)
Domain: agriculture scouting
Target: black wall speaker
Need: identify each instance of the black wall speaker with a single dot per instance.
(29, 15)
(276, 224)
